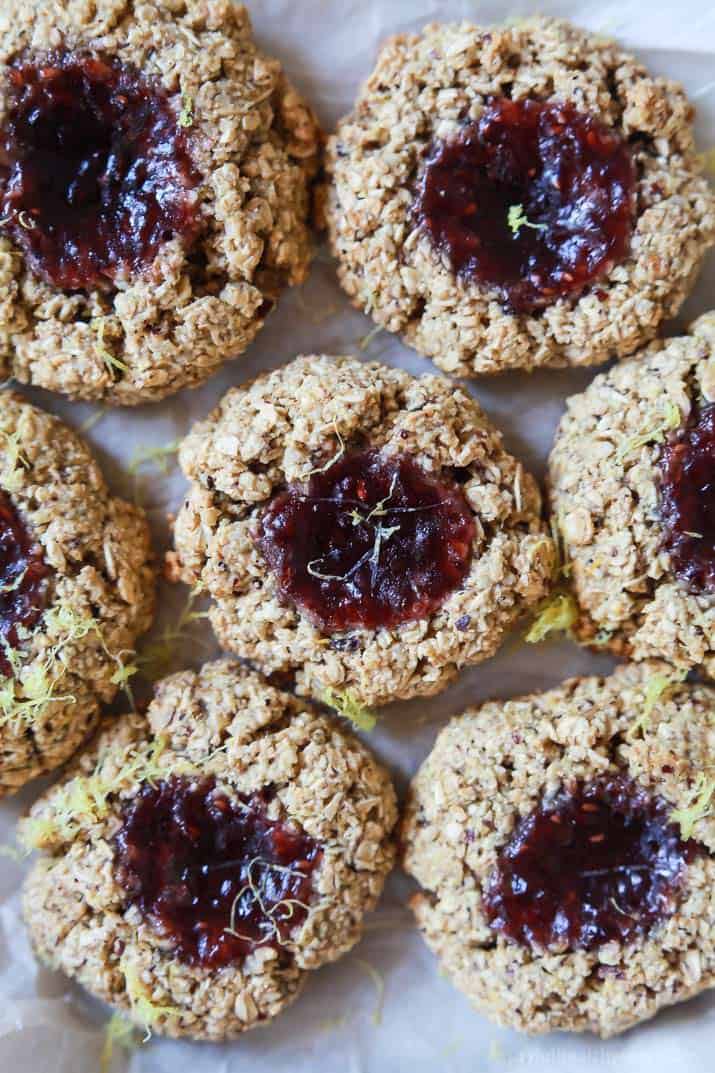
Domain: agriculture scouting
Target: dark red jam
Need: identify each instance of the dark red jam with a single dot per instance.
(215, 876)
(687, 501)
(372, 541)
(95, 172)
(568, 178)
(23, 579)
(592, 864)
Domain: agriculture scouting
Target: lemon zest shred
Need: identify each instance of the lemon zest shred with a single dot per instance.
(380, 509)
(122, 676)
(366, 340)
(111, 361)
(331, 461)
(517, 218)
(381, 534)
(146, 1012)
(119, 1032)
(85, 798)
(157, 456)
(657, 686)
(162, 458)
(89, 423)
(379, 984)
(557, 614)
(285, 905)
(347, 705)
(13, 586)
(701, 797)
(671, 421)
(186, 116)
(155, 658)
(326, 577)
(38, 683)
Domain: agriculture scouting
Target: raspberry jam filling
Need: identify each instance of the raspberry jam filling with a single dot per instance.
(535, 200)
(23, 579)
(595, 863)
(371, 541)
(95, 172)
(687, 501)
(215, 876)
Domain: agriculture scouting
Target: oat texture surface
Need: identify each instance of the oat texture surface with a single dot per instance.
(228, 723)
(252, 141)
(491, 766)
(606, 479)
(99, 592)
(422, 90)
(277, 430)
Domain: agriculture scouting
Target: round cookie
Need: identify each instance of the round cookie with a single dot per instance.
(154, 196)
(564, 843)
(76, 590)
(468, 193)
(631, 492)
(223, 766)
(359, 528)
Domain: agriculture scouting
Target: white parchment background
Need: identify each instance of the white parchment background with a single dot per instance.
(341, 1023)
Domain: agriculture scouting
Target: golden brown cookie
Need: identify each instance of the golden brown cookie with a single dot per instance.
(154, 193)
(359, 528)
(518, 196)
(204, 859)
(76, 590)
(564, 842)
(632, 496)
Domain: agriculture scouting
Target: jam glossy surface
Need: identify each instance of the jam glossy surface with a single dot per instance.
(597, 863)
(95, 172)
(371, 541)
(23, 579)
(687, 501)
(215, 876)
(565, 175)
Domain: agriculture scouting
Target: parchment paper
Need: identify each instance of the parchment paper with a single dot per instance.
(343, 1023)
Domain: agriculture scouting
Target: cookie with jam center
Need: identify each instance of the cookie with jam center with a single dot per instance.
(359, 528)
(76, 591)
(632, 494)
(204, 858)
(564, 843)
(154, 194)
(516, 197)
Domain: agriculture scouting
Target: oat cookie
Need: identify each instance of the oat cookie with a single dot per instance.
(360, 528)
(277, 823)
(632, 494)
(564, 842)
(516, 197)
(76, 590)
(154, 193)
